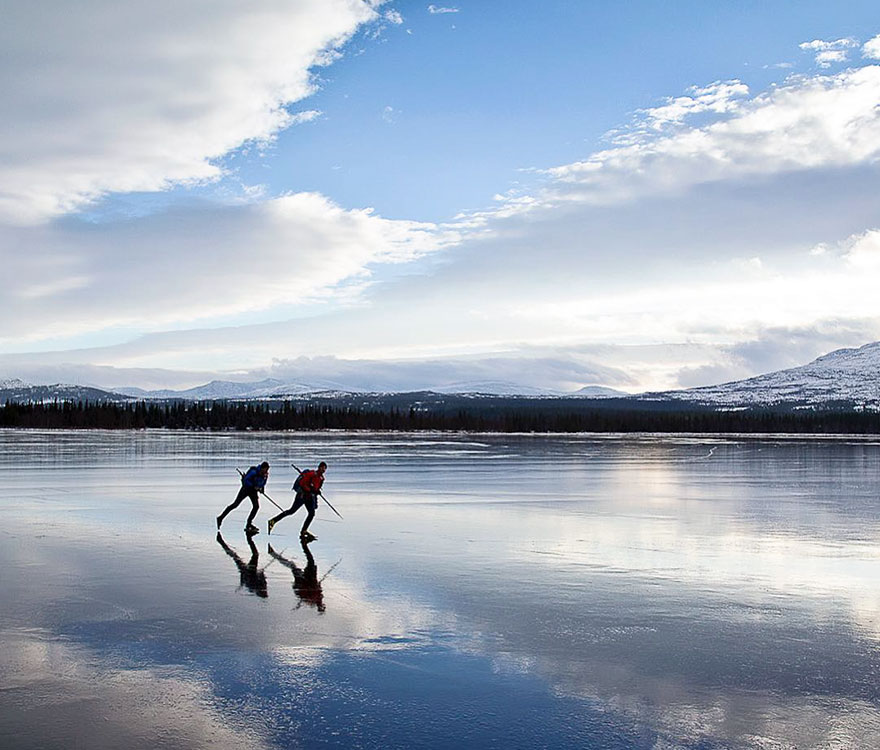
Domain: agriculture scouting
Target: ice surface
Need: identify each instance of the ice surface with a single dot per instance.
(482, 591)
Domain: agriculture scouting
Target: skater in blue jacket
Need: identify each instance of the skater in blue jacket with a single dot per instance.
(253, 481)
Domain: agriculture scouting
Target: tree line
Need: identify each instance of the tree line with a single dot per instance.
(526, 416)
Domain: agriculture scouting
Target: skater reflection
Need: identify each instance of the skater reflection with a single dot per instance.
(306, 584)
(252, 577)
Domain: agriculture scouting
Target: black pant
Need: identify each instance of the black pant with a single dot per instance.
(309, 499)
(244, 492)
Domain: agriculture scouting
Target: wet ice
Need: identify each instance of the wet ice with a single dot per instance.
(511, 591)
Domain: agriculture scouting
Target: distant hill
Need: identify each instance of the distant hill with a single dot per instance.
(219, 390)
(271, 389)
(599, 391)
(843, 378)
(214, 391)
(17, 391)
(492, 388)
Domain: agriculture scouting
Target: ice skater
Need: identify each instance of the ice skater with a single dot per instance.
(253, 482)
(308, 487)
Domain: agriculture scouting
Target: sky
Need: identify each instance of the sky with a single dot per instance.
(401, 195)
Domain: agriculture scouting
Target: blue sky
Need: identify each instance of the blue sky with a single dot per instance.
(480, 95)
(638, 195)
(467, 101)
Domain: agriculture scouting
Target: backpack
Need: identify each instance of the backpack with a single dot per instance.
(254, 469)
(297, 485)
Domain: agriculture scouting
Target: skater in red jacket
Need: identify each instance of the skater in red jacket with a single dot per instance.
(307, 486)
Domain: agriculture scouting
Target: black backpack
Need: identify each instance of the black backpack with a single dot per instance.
(297, 484)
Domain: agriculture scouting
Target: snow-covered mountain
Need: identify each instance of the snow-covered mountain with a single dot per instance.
(215, 390)
(218, 390)
(847, 378)
(491, 388)
(7, 384)
(17, 391)
(599, 391)
(842, 377)
(276, 389)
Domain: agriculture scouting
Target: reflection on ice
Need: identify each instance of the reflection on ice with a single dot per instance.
(253, 578)
(502, 591)
(61, 694)
(306, 584)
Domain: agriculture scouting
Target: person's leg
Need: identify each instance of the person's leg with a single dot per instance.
(285, 513)
(311, 506)
(255, 503)
(290, 511)
(242, 493)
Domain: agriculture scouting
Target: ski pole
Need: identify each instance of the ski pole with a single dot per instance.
(329, 571)
(322, 496)
(261, 492)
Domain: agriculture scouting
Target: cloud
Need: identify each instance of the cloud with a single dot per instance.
(713, 218)
(437, 9)
(195, 263)
(862, 252)
(828, 53)
(716, 98)
(104, 97)
(871, 48)
(308, 115)
(806, 124)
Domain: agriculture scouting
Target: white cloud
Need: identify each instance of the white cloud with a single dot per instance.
(196, 264)
(716, 98)
(108, 97)
(437, 9)
(645, 243)
(809, 123)
(828, 53)
(863, 251)
(871, 48)
(308, 115)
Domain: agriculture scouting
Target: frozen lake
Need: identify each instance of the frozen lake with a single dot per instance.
(482, 591)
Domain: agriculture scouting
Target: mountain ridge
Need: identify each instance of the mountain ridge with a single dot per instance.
(849, 375)
(843, 378)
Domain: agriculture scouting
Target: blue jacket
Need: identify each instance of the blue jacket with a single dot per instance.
(253, 478)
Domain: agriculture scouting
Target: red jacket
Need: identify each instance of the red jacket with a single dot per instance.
(311, 481)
